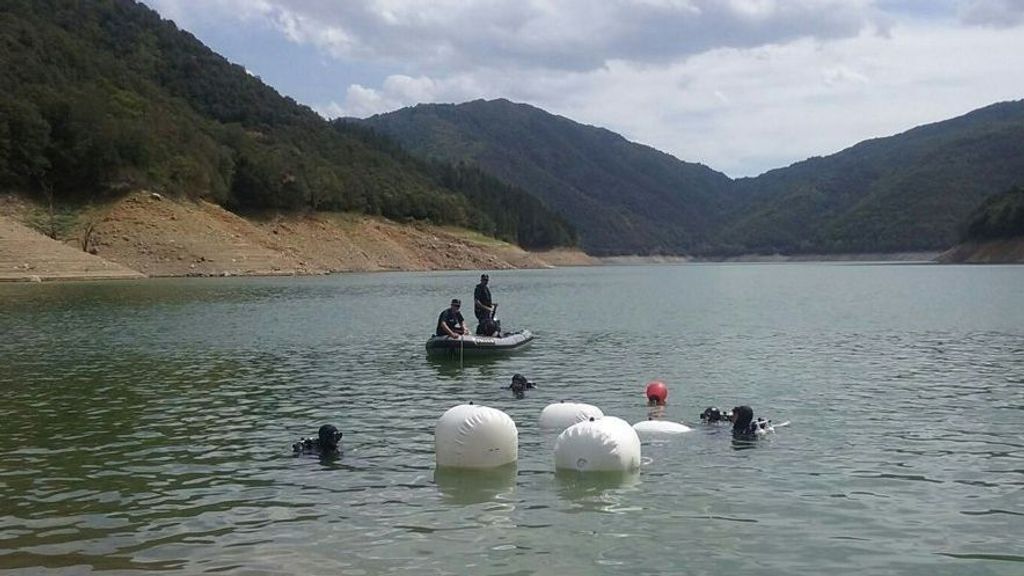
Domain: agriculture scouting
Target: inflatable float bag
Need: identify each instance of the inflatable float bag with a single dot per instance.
(561, 415)
(606, 445)
(470, 436)
(659, 428)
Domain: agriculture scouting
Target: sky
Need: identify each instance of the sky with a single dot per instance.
(742, 86)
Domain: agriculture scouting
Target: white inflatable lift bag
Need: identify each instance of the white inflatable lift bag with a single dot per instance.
(606, 445)
(659, 428)
(561, 415)
(471, 436)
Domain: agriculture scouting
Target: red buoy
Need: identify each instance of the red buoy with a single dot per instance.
(657, 392)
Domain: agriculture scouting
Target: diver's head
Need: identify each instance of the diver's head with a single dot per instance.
(484, 278)
(329, 437)
(519, 385)
(741, 417)
(712, 414)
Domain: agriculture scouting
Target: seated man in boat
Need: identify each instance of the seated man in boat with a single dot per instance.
(451, 323)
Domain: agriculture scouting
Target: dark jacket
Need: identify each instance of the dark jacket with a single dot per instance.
(482, 295)
(454, 320)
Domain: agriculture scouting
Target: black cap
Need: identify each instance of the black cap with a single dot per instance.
(456, 302)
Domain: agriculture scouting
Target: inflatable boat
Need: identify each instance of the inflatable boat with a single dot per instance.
(471, 345)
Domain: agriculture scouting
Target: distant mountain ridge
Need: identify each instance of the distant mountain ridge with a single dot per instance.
(621, 196)
(911, 191)
(905, 192)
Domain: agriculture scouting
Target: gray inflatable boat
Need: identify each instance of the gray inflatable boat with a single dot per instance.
(472, 345)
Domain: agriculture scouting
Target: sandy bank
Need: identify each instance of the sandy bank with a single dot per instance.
(1009, 251)
(151, 235)
(30, 256)
(858, 257)
(867, 257)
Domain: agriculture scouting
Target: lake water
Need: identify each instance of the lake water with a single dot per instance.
(147, 426)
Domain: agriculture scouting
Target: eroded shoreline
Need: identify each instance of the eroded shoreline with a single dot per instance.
(149, 235)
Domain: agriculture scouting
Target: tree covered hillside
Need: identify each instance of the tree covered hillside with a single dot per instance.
(999, 216)
(98, 97)
(906, 192)
(623, 197)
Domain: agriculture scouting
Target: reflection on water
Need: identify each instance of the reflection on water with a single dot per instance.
(655, 412)
(596, 491)
(148, 425)
(461, 486)
(453, 367)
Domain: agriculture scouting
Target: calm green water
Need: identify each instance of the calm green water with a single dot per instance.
(147, 426)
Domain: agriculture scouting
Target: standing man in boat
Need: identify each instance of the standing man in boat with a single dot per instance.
(450, 323)
(483, 307)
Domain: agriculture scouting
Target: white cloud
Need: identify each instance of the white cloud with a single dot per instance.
(744, 111)
(187, 13)
(840, 75)
(741, 85)
(996, 13)
(789, 102)
(432, 35)
(399, 91)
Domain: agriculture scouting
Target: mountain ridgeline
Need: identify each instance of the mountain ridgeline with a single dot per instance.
(624, 198)
(100, 97)
(912, 191)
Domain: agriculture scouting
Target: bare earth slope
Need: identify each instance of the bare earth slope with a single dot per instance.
(159, 236)
(28, 255)
(1009, 251)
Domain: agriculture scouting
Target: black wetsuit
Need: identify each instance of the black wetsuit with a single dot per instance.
(520, 385)
(713, 416)
(454, 320)
(314, 446)
(744, 425)
(325, 444)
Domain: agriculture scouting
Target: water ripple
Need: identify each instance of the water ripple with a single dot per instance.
(147, 426)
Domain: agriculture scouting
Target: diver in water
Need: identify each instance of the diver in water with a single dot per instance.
(520, 385)
(712, 415)
(327, 442)
(744, 425)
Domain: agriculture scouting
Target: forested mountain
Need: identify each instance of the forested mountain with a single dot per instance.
(905, 192)
(98, 97)
(911, 191)
(623, 197)
(999, 216)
